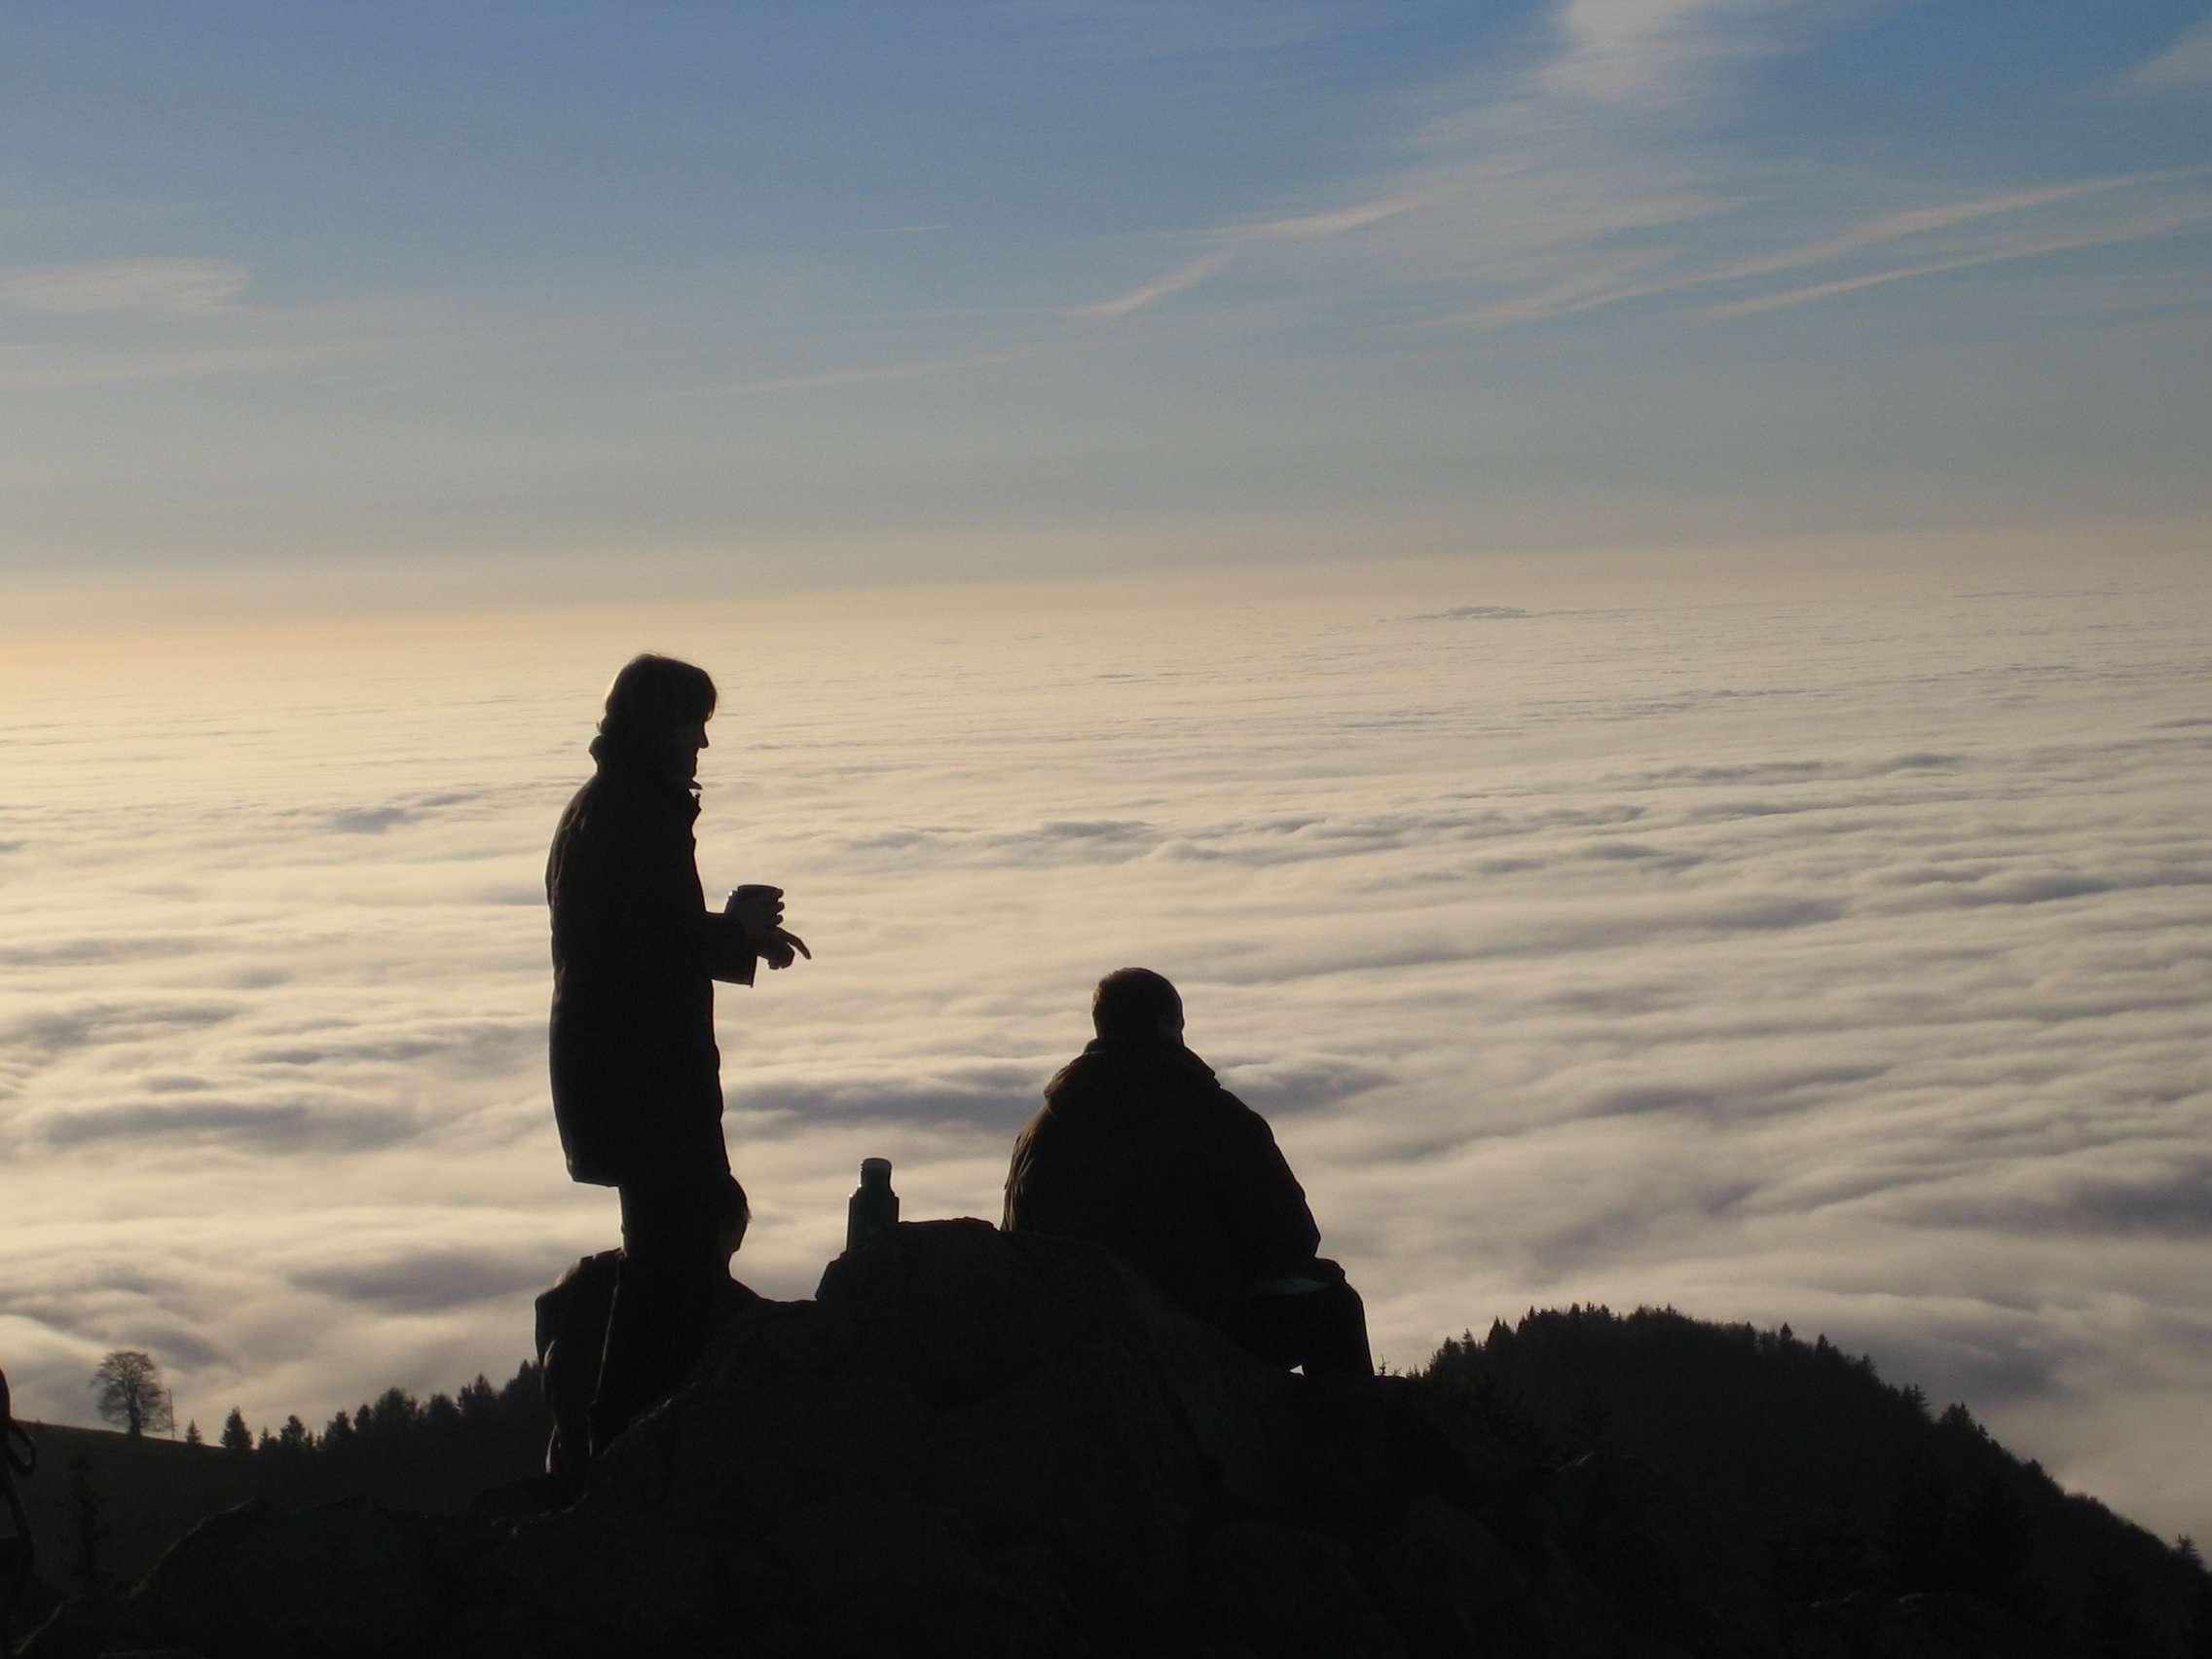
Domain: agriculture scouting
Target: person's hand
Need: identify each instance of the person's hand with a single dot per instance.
(777, 949)
(759, 910)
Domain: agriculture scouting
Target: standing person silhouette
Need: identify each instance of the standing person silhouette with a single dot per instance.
(636, 1075)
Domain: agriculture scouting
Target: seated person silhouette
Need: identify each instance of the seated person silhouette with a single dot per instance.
(572, 1336)
(1139, 1149)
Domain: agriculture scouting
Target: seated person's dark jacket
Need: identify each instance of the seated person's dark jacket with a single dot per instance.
(637, 1086)
(1139, 1149)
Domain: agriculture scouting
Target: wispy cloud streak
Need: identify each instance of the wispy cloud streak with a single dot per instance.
(122, 288)
(1624, 51)
(2166, 224)
(1923, 221)
(2184, 66)
(1152, 293)
(73, 372)
(1886, 229)
(1308, 227)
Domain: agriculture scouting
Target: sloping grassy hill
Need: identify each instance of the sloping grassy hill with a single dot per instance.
(141, 1495)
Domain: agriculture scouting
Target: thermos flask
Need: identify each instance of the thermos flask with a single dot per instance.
(875, 1206)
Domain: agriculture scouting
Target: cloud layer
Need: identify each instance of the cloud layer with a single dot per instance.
(1732, 942)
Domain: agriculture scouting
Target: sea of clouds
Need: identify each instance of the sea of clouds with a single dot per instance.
(1780, 943)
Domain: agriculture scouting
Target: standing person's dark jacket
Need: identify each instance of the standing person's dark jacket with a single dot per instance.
(1139, 1149)
(637, 1086)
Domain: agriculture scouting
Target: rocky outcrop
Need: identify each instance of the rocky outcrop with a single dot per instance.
(979, 1444)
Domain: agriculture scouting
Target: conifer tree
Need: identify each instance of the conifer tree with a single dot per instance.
(2114, 1630)
(1917, 1532)
(238, 1438)
(1994, 1545)
(192, 1435)
(479, 1404)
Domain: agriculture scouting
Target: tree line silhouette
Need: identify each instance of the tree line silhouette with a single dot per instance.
(433, 1454)
(1838, 1481)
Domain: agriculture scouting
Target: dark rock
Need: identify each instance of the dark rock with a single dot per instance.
(958, 1315)
(1362, 1450)
(887, 1575)
(346, 1578)
(1088, 1458)
(763, 1437)
(1290, 1592)
(88, 1626)
(961, 1313)
(568, 1587)
(1447, 1580)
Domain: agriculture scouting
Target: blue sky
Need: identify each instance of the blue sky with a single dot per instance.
(594, 297)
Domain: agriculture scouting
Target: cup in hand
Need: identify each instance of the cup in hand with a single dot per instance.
(758, 908)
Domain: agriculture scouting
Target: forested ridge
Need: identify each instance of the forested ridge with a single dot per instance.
(1842, 1483)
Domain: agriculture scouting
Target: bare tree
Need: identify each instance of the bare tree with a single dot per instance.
(130, 1393)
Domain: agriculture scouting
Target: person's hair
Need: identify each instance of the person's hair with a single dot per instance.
(653, 698)
(735, 1214)
(1134, 1002)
